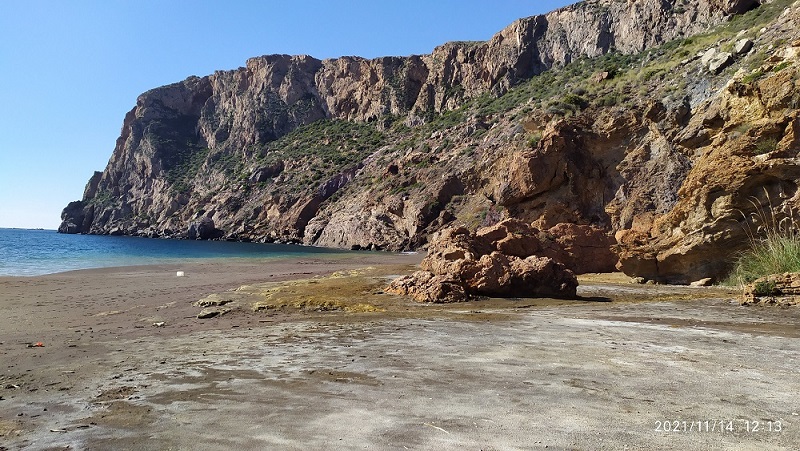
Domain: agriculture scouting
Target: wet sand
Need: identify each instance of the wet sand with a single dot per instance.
(602, 373)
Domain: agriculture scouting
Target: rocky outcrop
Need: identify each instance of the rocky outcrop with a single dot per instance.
(203, 229)
(777, 289)
(685, 184)
(74, 217)
(581, 248)
(743, 183)
(201, 147)
(496, 261)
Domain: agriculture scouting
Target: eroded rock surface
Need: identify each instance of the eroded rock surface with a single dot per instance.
(777, 289)
(743, 181)
(496, 261)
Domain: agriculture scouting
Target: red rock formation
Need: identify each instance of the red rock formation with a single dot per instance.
(496, 261)
(581, 248)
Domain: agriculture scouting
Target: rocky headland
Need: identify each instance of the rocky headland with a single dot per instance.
(662, 129)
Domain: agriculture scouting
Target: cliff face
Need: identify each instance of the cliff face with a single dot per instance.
(351, 152)
(742, 182)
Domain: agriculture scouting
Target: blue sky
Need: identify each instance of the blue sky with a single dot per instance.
(70, 70)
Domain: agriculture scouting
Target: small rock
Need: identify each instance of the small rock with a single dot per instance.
(743, 46)
(708, 56)
(707, 282)
(601, 76)
(212, 300)
(720, 62)
(639, 280)
(211, 312)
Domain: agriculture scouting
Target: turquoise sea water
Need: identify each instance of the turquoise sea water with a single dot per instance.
(36, 252)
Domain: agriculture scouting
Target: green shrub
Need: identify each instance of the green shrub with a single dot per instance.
(533, 140)
(575, 100)
(765, 146)
(753, 76)
(608, 100)
(765, 288)
(781, 66)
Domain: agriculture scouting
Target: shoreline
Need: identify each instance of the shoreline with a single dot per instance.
(63, 253)
(98, 290)
(178, 263)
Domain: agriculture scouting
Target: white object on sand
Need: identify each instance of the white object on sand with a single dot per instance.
(180, 274)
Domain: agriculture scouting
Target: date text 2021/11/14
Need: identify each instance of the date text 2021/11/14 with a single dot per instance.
(720, 426)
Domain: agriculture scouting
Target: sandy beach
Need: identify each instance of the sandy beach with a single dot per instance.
(330, 361)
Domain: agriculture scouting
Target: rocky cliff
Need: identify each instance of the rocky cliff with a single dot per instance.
(595, 114)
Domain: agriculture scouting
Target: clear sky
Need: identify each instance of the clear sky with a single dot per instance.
(70, 70)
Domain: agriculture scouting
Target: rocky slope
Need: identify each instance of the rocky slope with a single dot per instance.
(742, 180)
(604, 113)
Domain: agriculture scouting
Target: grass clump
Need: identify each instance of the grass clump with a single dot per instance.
(781, 66)
(534, 139)
(776, 254)
(776, 251)
(753, 76)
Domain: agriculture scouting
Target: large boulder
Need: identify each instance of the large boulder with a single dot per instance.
(203, 229)
(510, 237)
(497, 274)
(494, 275)
(452, 247)
(72, 218)
(496, 261)
(581, 248)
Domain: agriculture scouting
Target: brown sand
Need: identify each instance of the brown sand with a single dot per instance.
(72, 313)
(490, 374)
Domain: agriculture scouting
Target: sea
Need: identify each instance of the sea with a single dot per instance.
(25, 252)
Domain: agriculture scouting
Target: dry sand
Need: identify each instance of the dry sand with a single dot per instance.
(603, 373)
